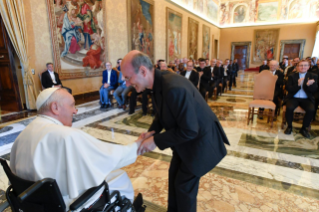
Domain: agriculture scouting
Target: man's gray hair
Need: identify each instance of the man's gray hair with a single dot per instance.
(274, 61)
(55, 97)
(141, 59)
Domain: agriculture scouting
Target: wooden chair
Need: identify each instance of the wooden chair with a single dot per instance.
(297, 110)
(264, 88)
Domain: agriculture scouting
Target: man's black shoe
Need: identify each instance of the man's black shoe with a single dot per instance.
(288, 130)
(131, 112)
(102, 106)
(304, 133)
(106, 106)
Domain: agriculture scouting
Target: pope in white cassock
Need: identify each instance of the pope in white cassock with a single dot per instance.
(49, 147)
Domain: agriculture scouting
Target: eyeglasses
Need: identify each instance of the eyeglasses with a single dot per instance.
(303, 65)
(127, 78)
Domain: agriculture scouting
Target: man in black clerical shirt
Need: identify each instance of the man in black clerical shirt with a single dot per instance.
(264, 66)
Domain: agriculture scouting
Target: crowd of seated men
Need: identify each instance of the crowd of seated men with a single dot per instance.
(296, 85)
(204, 74)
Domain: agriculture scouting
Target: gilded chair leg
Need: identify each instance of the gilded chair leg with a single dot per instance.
(252, 115)
(268, 116)
(272, 118)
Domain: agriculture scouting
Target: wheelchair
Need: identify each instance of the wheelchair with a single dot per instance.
(45, 196)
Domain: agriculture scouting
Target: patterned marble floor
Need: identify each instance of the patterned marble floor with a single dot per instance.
(265, 170)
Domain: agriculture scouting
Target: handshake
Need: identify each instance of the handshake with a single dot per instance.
(145, 143)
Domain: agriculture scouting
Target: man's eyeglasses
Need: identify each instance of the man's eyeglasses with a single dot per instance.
(303, 65)
(127, 78)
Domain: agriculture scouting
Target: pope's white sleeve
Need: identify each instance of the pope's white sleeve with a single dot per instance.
(128, 155)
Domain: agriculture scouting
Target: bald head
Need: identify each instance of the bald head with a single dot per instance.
(137, 70)
(273, 65)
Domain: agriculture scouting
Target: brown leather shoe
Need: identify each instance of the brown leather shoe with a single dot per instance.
(124, 107)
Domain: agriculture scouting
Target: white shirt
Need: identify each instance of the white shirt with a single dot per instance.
(52, 77)
(274, 72)
(109, 76)
(188, 73)
(225, 70)
(301, 94)
(75, 159)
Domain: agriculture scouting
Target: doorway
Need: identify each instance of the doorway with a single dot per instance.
(292, 48)
(241, 52)
(10, 99)
(215, 49)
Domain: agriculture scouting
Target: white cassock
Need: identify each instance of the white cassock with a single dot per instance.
(75, 159)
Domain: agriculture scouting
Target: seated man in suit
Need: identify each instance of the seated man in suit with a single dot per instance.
(294, 67)
(301, 87)
(191, 74)
(121, 92)
(264, 66)
(109, 82)
(205, 76)
(227, 74)
(284, 64)
(50, 79)
(278, 94)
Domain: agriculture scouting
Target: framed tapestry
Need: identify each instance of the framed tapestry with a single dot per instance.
(78, 35)
(140, 18)
(265, 45)
(206, 42)
(174, 34)
(192, 39)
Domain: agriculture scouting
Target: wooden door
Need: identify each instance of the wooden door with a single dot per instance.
(241, 55)
(292, 50)
(9, 90)
(216, 49)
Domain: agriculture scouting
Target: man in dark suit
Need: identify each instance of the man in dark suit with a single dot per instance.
(50, 79)
(227, 74)
(219, 75)
(191, 74)
(109, 82)
(192, 130)
(284, 64)
(294, 67)
(301, 87)
(236, 67)
(208, 81)
(314, 70)
(264, 66)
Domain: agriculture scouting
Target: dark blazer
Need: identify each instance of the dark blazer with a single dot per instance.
(290, 70)
(46, 79)
(194, 77)
(279, 84)
(263, 67)
(113, 79)
(206, 78)
(235, 67)
(192, 130)
(292, 85)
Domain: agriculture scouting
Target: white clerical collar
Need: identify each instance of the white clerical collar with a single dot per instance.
(302, 74)
(274, 72)
(55, 121)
